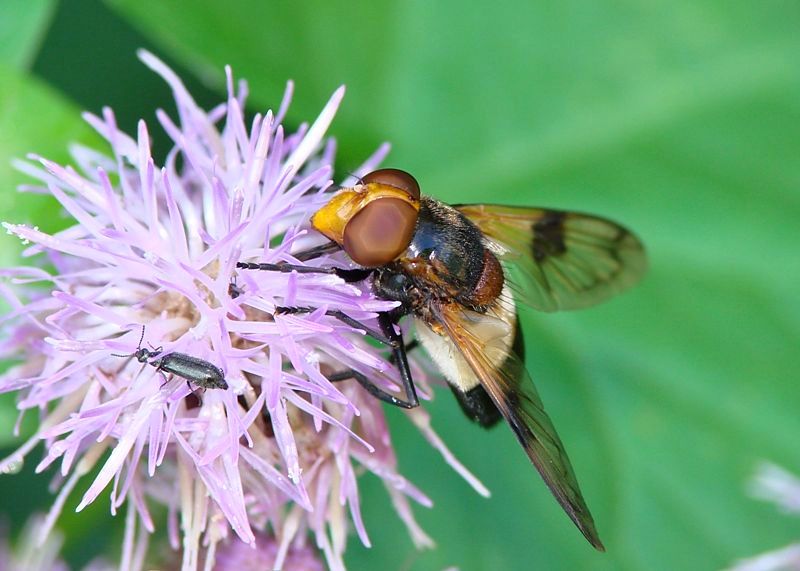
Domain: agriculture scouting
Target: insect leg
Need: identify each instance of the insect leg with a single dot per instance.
(163, 376)
(344, 318)
(353, 275)
(373, 389)
(286, 268)
(317, 251)
(157, 365)
(387, 323)
(234, 290)
(410, 346)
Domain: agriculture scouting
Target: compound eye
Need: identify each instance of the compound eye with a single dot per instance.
(396, 178)
(380, 232)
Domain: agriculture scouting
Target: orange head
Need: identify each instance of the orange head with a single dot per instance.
(375, 220)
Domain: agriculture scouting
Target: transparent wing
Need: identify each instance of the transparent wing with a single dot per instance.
(507, 382)
(560, 260)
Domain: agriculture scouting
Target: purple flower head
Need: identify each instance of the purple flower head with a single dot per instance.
(151, 255)
(268, 554)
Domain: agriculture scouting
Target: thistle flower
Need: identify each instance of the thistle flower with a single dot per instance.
(779, 486)
(237, 556)
(151, 255)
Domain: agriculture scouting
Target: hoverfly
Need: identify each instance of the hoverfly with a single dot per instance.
(458, 270)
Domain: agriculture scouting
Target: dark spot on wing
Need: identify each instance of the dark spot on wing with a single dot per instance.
(548, 235)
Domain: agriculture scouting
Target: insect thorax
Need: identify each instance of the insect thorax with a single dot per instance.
(446, 261)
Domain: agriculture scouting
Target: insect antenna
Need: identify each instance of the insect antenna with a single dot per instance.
(350, 174)
(141, 338)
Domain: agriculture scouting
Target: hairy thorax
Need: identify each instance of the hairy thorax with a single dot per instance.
(445, 262)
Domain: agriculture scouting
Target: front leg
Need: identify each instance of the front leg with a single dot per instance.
(341, 316)
(317, 251)
(350, 276)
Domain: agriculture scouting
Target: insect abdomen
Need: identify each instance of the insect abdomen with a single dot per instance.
(477, 405)
(472, 397)
(200, 372)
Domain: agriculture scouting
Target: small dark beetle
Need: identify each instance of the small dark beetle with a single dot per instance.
(200, 372)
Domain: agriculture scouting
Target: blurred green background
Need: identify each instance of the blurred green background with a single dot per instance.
(679, 119)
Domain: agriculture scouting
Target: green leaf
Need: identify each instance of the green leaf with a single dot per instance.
(679, 120)
(310, 44)
(22, 26)
(35, 119)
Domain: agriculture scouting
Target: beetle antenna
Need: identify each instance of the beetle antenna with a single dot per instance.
(137, 348)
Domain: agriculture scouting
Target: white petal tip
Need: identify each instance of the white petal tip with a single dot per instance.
(338, 95)
(147, 57)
